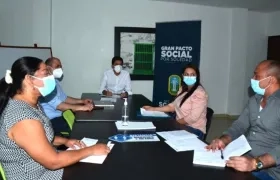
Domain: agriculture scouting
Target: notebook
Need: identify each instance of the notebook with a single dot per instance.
(180, 145)
(92, 159)
(177, 134)
(153, 113)
(108, 99)
(114, 95)
(103, 104)
(162, 117)
(135, 126)
(237, 147)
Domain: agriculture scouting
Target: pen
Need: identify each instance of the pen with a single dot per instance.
(109, 143)
(222, 155)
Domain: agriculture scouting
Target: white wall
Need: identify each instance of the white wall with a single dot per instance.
(256, 45)
(87, 31)
(273, 25)
(24, 23)
(248, 48)
(237, 56)
(81, 33)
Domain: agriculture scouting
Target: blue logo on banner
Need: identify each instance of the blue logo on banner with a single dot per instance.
(174, 83)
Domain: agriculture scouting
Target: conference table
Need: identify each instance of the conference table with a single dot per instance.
(137, 160)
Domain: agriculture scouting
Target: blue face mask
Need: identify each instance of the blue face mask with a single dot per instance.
(189, 80)
(255, 84)
(49, 85)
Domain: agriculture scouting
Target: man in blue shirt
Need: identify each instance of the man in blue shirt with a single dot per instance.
(57, 102)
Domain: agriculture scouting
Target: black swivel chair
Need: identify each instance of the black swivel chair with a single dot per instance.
(209, 116)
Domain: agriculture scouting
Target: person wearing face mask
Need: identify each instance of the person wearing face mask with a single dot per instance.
(27, 142)
(190, 103)
(260, 123)
(57, 101)
(116, 81)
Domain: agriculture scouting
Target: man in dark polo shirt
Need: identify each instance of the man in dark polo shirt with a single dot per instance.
(260, 123)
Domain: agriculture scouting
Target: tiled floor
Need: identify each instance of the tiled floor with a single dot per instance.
(217, 127)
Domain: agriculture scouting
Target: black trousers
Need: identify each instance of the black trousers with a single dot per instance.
(60, 125)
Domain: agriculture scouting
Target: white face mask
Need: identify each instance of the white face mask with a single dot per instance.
(49, 85)
(57, 73)
(118, 68)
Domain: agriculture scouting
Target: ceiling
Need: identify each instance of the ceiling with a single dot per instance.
(254, 5)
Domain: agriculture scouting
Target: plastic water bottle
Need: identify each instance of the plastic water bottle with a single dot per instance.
(125, 113)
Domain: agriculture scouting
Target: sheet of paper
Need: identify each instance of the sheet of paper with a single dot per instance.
(186, 144)
(92, 159)
(96, 159)
(208, 158)
(178, 134)
(89, 141)
(238, 147)
(135, 125)
(152, 113)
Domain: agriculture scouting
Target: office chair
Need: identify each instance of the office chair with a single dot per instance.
(209, 116)
(69, 116)
(2, 172)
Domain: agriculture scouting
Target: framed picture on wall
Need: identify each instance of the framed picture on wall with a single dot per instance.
(137, 48)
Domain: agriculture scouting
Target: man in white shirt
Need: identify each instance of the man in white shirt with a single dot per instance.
(116, 81)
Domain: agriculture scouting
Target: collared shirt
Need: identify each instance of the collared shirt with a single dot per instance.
(51, 101)
(116, 84)
(194, 109)
(261, 128)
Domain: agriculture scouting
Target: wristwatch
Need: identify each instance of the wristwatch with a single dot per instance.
(259, 164)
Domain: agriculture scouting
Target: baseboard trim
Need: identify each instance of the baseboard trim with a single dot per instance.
(225, 116)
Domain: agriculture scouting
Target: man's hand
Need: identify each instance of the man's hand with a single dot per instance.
(86, 107)
(107, 93)
(124, 95)
(243, 164)
(87, 101)
(216, 144)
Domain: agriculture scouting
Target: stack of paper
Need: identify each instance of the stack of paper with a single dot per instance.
(103, 104)
(109, 99)
(237, 147)
(92, 159)
(186, 144)
(178, 134)
(135, 126)
(181, 140)
(153, 113)
(116, 96)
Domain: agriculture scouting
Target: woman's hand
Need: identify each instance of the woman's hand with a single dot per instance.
(71, 143)
(100, 149)
(148, 108)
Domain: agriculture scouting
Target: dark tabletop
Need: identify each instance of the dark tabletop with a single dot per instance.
(135, 102)
(139, 161)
